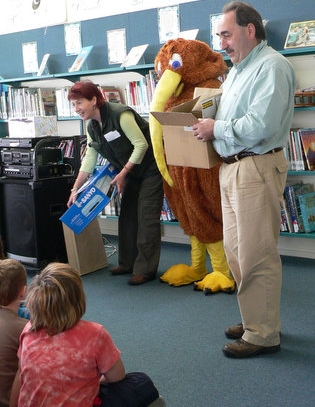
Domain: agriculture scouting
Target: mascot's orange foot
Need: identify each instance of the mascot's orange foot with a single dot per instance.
(181, 274)
(215, 282)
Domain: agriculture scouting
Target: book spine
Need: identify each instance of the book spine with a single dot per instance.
(285, 225)
(292, 208)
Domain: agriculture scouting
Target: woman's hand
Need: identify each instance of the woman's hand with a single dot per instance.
(119, 181)
(81, 178)
(72, 197)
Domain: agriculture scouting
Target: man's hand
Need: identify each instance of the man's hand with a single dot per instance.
(203, 130)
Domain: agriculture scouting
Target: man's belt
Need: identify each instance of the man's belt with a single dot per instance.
(243, 154)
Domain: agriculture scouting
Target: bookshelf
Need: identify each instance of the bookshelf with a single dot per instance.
(303, 61)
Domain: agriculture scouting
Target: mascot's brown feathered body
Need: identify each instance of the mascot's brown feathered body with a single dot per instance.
(193, 193)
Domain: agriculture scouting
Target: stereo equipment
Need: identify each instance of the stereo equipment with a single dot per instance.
(39, 157)
(24, 142)
(17, 156)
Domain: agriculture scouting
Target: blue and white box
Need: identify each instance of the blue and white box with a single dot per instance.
(93, 196)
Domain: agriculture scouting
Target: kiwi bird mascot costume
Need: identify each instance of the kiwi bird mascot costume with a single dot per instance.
(193, 193)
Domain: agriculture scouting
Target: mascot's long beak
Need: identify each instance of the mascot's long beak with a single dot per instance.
(167, 85)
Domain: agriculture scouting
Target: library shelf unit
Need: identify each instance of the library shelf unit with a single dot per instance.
(303, 62)
(116, 76)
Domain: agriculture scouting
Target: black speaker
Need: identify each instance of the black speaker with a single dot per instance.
(31, 229)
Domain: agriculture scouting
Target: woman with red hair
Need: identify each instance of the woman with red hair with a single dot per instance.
(122, 136)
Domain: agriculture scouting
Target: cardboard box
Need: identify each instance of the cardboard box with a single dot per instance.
(37, 126)
(85, 251)
(181, 147)
(93, 196)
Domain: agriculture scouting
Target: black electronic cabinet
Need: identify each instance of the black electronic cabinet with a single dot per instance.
(37, 176)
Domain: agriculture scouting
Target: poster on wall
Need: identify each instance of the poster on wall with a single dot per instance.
(116, 46)
(23, 15)
(168, 23)
(215, 42)
(30, 60)
(73, 40)
(79, 10)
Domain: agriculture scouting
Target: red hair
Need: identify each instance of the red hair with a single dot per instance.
(87, 90)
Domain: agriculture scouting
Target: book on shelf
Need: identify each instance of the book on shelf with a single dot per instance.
(64, 106)
(167, 214)
(291, 195)
(307, 205)
(286, 222)
(307, 136)
(294, 151)
(48, 101)
(135, 55)
(43, 68)
(152, 81)
(80, 61)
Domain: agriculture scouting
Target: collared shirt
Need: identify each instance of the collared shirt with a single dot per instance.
(256, 107)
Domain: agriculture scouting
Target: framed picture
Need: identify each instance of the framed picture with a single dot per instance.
(301, 34)
(111, 95)
(215, 43)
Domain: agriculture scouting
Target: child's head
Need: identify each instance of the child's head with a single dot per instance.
(13, 279)
(56, 299)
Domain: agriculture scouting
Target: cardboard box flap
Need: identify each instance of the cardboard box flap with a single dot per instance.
(175, 118)
(202, 94)
(186, 106)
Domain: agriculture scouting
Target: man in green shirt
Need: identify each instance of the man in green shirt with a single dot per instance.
(249, 132)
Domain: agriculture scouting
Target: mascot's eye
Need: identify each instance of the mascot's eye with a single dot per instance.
(176, 61)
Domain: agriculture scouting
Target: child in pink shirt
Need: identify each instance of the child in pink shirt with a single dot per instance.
(66, 361)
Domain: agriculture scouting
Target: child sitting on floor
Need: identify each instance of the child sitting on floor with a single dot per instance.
(66, 361)
(13, 280)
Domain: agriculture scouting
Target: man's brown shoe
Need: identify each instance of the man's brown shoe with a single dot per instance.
(242, 349)
(119, 271)
(234, 331)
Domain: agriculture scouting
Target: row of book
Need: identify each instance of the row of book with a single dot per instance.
(298, 208)
(113, 209)
(67, 147)
(138, 94)
(300, 150)
(17, 102)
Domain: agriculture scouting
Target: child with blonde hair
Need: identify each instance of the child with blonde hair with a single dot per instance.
(66, 361)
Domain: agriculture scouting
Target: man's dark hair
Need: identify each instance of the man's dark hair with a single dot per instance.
(246, 14)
